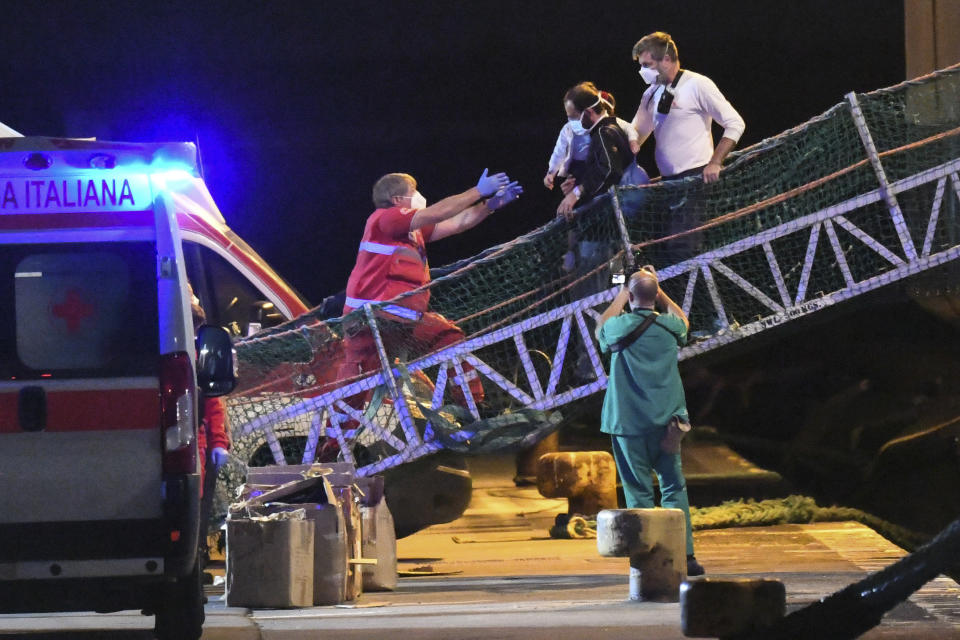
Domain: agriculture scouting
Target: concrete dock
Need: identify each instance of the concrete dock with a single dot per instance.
(496, 573)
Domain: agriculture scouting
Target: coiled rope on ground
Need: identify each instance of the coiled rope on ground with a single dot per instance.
(793, 509)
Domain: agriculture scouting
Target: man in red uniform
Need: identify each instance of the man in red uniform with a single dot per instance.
(392, 261)
(212, 433)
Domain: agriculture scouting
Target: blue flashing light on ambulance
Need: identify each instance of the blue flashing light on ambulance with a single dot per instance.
(99, 378)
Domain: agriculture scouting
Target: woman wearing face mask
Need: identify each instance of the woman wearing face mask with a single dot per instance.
(570, 152)
(609, 154)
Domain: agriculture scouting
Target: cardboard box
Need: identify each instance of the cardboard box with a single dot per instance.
(290, 490)
(336, 473)
(379, 542)
(270, 562)
(334, 484)
(330, 549)
(351, 518)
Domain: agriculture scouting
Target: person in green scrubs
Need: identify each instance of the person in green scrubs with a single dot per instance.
(644, 404)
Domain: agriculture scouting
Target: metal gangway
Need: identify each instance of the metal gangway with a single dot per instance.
(927, 240)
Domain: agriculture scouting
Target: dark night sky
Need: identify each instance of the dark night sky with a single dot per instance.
(300, 106)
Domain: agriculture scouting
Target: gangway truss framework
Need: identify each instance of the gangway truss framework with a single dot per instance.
(399, 422)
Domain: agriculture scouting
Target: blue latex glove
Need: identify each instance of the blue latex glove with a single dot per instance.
(505, 196)
(219, 457)
(489, 185)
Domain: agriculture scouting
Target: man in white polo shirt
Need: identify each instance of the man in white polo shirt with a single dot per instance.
(679, 108)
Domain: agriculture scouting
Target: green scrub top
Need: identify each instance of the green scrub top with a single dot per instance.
(644, 390)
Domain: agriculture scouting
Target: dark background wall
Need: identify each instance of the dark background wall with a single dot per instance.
(299, 106)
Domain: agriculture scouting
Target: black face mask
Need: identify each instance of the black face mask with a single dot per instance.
(589, 115)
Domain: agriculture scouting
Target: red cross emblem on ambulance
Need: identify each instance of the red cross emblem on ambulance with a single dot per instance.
(73, 309)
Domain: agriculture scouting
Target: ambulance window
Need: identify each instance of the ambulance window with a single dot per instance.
(229, 298)
(80, 310)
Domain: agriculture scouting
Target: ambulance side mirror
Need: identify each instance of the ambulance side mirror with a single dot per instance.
(216, 362)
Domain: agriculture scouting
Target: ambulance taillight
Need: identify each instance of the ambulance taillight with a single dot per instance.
(177, 419)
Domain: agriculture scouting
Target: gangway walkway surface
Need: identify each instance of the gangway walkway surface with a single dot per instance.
(865, 195)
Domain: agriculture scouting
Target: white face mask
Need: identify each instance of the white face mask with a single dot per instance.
(577, 126)
(649, 74)
(417, 201)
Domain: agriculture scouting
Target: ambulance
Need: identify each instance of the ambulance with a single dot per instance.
(101, 374)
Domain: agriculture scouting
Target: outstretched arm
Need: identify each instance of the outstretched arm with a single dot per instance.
(460, 222)
(444, 210)
(471, 217)
(453, 205)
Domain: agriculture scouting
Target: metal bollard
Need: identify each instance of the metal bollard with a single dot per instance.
(726, 608)
(588, 479)
(654, 541)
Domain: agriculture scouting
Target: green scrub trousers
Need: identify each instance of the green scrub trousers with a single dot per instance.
(635, 457)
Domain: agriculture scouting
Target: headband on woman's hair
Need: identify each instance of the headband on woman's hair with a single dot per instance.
(600, 99)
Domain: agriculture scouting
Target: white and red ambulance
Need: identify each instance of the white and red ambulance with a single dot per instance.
(99, 383)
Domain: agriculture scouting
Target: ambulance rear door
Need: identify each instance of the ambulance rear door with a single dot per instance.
(80, 442)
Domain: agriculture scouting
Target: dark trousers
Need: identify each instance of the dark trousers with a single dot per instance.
(685, 211)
